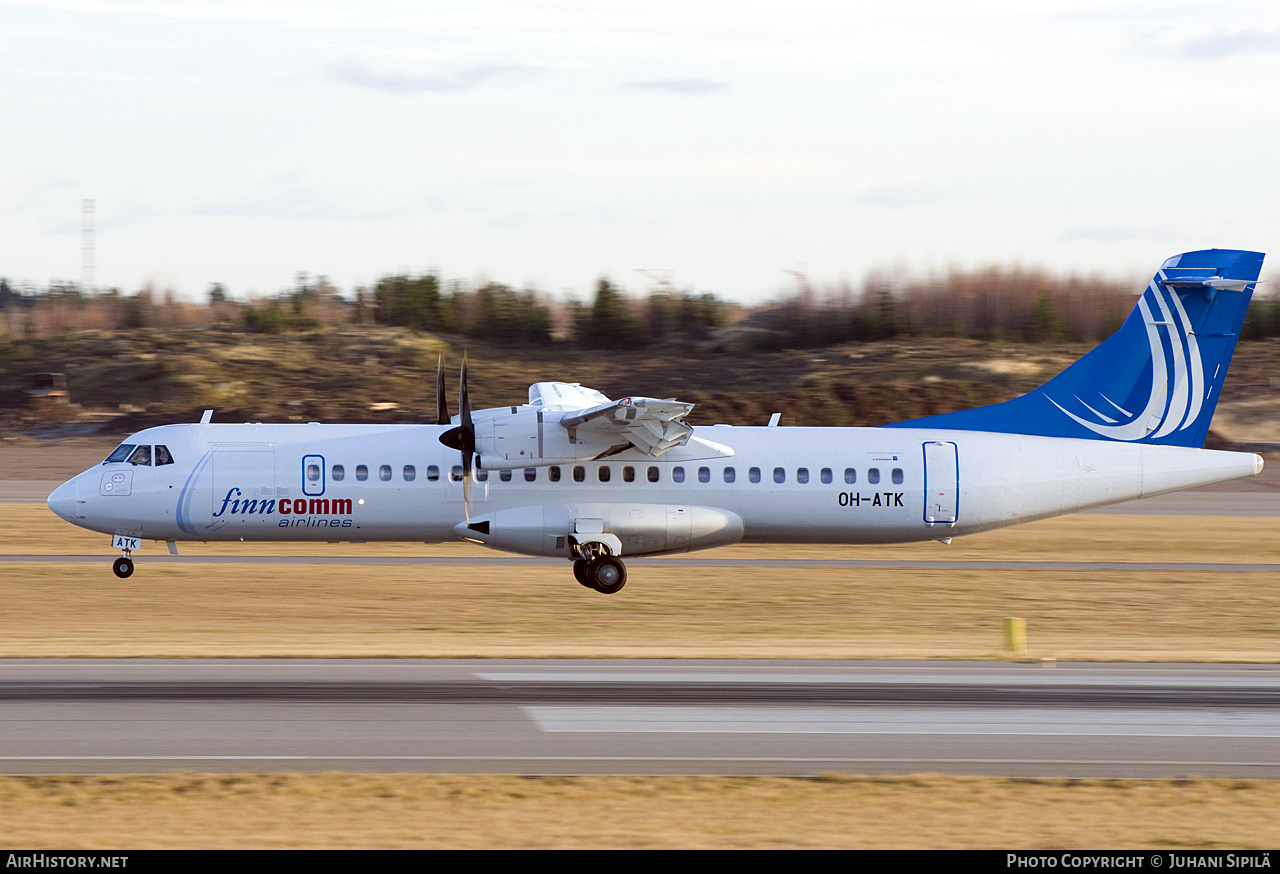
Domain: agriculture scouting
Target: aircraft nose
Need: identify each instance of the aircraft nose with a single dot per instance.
(63, 500)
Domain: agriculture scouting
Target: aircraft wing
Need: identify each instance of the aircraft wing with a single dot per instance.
(651, 425)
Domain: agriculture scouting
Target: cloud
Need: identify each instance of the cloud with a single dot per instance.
(900, 196)
(361, 75)
(678, 86)
(21, 191)
(1116, 234)
(1216, 46)
(286, 196)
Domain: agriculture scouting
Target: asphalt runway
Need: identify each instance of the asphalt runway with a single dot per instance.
(639, 717)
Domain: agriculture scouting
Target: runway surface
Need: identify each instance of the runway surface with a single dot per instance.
(639, 717)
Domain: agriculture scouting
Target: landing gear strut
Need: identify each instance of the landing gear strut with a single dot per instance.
(595, 568)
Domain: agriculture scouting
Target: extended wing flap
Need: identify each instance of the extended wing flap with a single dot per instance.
(651, 425)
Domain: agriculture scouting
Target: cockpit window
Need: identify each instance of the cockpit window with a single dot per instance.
(141, 455)
(163, 456)
(121, 453)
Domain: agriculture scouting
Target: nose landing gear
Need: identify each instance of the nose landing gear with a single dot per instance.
(123, 566)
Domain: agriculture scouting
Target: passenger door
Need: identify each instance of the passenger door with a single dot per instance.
(941, 483)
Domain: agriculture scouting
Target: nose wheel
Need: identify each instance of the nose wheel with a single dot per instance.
(123, 566)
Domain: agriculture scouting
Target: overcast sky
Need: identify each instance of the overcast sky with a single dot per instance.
(716, 145)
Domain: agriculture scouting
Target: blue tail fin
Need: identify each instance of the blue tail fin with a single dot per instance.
(1157, 379)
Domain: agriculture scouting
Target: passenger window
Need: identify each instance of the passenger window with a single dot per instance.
(455, 473)
(730, 474)
(410, 473)
(338, 473)
(677, 474)
(142, 455)
(704, 474)
(122, 452)
(802, 475)
(825, 475)
(481, 475)
(653, 475)
(553, 473)
(530, 474)
(362, 472)
(504, 475)
(897, 476)
(384, 473)
(313, 473)
(754, 474)
(433, 473)
(628, 474)
(579, 473)
(163, 456)
(873, 475)
(779, 475)
(850, 475)
(603, 473)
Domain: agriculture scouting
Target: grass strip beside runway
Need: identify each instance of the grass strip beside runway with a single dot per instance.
(312, 610)
(421, 811)
(245, 610)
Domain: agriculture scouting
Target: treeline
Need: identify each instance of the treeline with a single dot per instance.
(989, 304)
(994, 303)
(422, 303)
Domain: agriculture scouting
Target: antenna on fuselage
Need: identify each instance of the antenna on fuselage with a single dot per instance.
(207, 417)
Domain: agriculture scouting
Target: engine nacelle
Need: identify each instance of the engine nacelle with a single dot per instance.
(515, 437)
(641, 529)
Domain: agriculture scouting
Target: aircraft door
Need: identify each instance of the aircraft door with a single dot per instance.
(243, 490)
(941, 483)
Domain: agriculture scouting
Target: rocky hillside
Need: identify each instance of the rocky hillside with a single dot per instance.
(119, 381)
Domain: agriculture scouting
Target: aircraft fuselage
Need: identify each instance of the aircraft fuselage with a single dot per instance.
(790, 485)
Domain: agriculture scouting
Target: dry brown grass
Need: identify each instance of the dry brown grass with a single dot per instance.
(331, 611)
(667, 611)
(423, 811)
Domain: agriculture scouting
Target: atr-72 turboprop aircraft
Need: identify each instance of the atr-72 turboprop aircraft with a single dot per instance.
(576, 475)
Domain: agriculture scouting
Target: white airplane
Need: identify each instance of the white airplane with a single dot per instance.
(575, 475)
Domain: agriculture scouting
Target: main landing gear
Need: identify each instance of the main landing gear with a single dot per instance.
(597, 569)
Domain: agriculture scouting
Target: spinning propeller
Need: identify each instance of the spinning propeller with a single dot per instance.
(463, 437)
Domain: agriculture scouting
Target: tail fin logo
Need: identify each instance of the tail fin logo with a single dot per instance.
(1176, 397)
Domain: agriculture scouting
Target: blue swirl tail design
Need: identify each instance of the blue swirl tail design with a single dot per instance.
(1157, 379)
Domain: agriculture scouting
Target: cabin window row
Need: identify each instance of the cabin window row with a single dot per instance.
(408, 473)
(604, 473)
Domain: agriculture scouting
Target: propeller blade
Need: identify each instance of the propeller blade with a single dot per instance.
(466, 437)
(466, 484)
(464, 399)
(442, 403)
